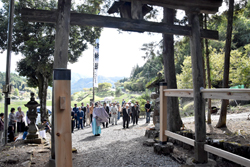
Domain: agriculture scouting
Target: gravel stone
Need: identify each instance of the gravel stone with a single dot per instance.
(116, 147)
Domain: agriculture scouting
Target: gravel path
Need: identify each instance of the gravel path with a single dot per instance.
(116, 147)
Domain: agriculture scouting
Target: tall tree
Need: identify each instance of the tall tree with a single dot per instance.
(36, 42)
(174, 121)
(223, 115)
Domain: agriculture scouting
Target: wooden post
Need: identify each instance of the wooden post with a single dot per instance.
(199, 103)
(163, 113)
(62, 124)
(60, 61)
(136, 10)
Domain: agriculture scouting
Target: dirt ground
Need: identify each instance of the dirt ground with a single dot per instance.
(237, 130)
(19, 154)
(238, 125)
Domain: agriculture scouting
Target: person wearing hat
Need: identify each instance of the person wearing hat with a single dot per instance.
(125, 115)
(99, 116)
(114, 113)
(148, 110)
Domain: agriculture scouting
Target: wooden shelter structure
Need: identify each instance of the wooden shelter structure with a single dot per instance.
(132, 19)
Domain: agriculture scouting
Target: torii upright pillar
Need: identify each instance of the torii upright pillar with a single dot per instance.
(201, 156)
(61, 88)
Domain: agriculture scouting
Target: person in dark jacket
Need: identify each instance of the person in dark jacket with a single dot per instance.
(12, 118)
(72, 120)
(1, 127)
(107, 110)
(148, 110)
(135, 113)
(126, 113)
(75, 109)
(80, 116)
(11, 134)
(84, 109)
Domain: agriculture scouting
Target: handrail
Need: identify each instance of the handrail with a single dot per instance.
(236, 94)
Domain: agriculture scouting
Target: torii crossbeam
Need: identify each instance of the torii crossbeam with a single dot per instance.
(64, 18)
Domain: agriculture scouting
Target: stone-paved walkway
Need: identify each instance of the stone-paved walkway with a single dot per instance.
(116, 147)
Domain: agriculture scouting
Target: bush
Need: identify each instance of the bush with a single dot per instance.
(118, 92)
(1, 97)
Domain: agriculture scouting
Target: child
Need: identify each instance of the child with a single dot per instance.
(26, 129)
(46, 126)
(11, 134)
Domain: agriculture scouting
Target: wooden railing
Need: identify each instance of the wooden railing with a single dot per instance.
(236, 94)
(224, 154)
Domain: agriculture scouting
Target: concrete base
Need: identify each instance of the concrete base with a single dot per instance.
(210, 163)
(52, 163)
(163, 149)
(35, 141)
(32, 136)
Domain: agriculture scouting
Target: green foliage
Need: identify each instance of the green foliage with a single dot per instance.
(184, 79)
(16, 92)
(1, 97)
(15, 80)
(118, 92)
(104, 86)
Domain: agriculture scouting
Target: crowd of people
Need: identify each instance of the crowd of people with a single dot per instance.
(98, 114)
(93, 115)
(18, 123)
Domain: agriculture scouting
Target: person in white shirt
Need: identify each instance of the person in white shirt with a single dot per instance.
(20, 120)
(114, 113)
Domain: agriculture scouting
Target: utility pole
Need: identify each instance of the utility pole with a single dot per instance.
(7, 86)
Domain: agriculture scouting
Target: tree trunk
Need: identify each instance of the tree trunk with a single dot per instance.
(202, 50)
(223, 114)
(43, 86)
(174, 122)
(208, 75)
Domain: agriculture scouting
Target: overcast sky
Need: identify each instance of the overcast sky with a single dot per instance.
(119, 53)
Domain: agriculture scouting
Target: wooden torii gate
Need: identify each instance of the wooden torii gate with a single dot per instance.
(63, 18)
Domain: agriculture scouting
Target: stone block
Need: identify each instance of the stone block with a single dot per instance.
(149, 143)
(163, 149)
(35, 141)
(26, 164)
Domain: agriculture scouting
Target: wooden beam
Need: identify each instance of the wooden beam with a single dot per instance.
(205, 6)
(179, 92)
(81, 19)
(236, 94)
(179, 137)
(227, 155)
